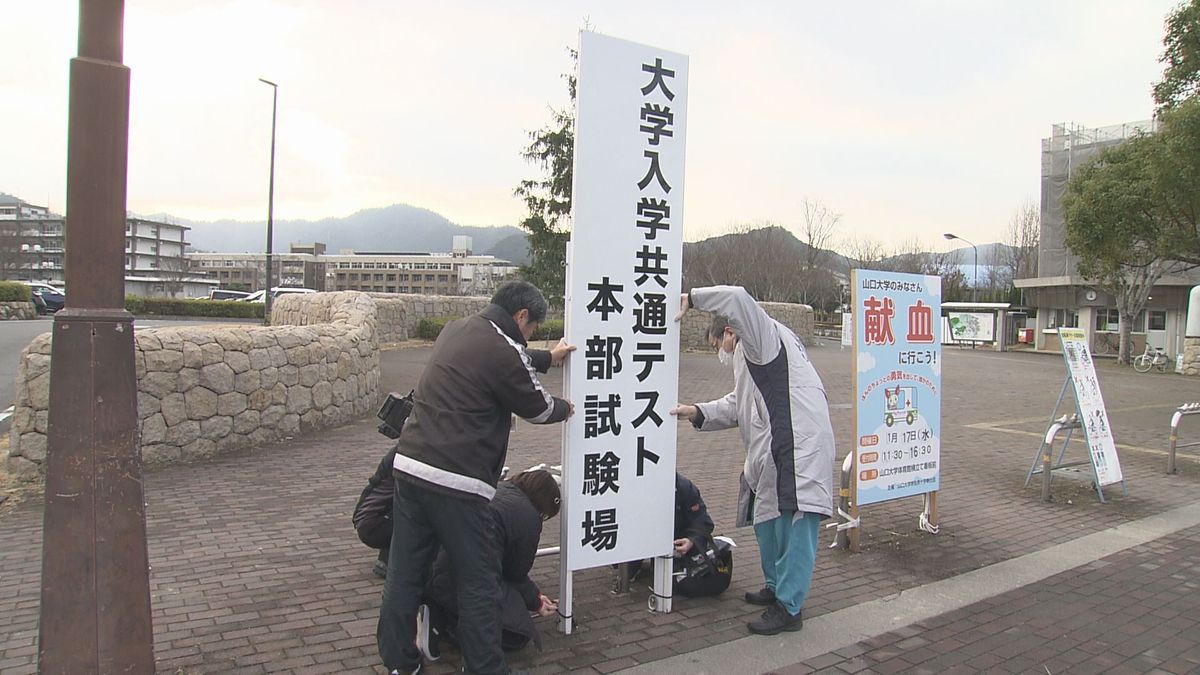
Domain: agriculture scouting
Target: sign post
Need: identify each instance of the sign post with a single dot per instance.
(897, 386)
(625, 267)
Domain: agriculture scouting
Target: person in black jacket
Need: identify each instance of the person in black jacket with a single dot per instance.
(521, 505)
(693, 525)
(373, 513)
(447, 464)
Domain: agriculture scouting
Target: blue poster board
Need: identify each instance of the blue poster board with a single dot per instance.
(897, 385)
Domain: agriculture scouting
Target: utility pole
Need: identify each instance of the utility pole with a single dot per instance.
(95, 603)
(270, 200)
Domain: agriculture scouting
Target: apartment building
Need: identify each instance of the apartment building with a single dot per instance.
(32, 248)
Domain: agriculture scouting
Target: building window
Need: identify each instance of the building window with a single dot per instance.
(1157, 320)
(354, 276)
(1064, 318)
(378, 277)
(356, 266)
(1108, 319)
(403, 277)
(429, 277)
(391, 277)
(343, 266)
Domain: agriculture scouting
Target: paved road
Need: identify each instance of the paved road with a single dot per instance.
(15, 335)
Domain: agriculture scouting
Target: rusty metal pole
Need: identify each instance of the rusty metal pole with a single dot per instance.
(95, 603)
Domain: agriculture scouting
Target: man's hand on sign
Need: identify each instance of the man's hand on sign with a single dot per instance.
(570, 408)
(560, 351)
(685, 412)
(683, 307)
(682, 546)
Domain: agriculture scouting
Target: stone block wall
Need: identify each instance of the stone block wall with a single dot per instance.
(208, 389)
(799, 318)
(1191, 356)
(400, 314)
(17, 310)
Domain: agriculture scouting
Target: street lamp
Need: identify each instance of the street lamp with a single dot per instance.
(270, 197)
(975, 274)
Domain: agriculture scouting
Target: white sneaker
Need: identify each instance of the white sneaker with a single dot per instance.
(427, 635)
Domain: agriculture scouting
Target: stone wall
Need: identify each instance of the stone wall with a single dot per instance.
(400, 314)
(208, 389)
(17, 310)
(1191, 356)
(797, 317)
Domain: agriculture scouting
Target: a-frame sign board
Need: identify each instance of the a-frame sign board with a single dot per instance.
(1090, 416)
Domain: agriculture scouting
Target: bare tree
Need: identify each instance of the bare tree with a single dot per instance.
(1021, 240)
(863, 252)
(817, 232)
(173, 272)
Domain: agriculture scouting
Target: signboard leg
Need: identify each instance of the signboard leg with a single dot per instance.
(928, 521)
(852, 533)
(566, 621)
(660, 599)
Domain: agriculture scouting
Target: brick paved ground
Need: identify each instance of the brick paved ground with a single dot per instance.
(1137, 611)
(257, 569)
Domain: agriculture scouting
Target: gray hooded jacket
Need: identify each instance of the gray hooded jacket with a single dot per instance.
(778, 405)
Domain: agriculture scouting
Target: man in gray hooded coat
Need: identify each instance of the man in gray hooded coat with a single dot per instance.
(779, 405)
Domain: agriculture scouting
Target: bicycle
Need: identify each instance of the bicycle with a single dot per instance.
(1153, 357)
(1106, 343)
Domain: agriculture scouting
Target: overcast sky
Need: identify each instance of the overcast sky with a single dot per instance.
(908, 118)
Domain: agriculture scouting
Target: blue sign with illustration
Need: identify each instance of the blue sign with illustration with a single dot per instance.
(897, 384)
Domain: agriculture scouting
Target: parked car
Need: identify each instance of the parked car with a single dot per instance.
(46, 298)
(224, 294)
(260, 296)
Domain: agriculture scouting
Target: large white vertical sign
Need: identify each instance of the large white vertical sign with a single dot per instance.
(626, 264)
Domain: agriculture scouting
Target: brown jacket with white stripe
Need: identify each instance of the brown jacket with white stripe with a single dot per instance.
(479, 375)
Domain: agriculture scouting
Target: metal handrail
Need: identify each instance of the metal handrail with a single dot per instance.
(1176, 419)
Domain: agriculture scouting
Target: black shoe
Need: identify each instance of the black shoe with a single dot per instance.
(762, 597)
(776, 620)
(405, 671)
(380, 569)
(427, 635)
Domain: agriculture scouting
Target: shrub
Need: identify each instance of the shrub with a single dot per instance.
(551, 329)
(432, 327)
(193, 307)
(14, 291)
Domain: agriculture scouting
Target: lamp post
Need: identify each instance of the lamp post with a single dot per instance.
(270, 198)
(975, 273)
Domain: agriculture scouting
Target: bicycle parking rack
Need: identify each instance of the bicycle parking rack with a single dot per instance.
(1177, 417)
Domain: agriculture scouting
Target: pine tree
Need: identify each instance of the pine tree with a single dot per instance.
(552, 149)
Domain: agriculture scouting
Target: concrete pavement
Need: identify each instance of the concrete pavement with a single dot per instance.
(256, 567)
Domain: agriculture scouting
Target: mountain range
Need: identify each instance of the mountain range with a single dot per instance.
(399, 227)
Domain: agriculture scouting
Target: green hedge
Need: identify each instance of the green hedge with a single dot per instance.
(429, 329)
(15, 291)
(432, 327)
(140, 306)
(551, 329)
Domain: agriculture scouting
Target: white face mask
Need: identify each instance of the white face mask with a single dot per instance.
(726, 358)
